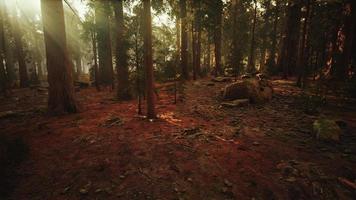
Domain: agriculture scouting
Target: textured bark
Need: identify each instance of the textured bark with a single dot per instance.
(184, 40)
(345, 42)
(95, 58)
(20, 55)
(148, 60)
(3, 77)
(251, 59)
(302, 62)
(194, 51)
(61, 92)
(104, 43)
(123, 91)
(217, 40)
(290, 39)
(271, 63)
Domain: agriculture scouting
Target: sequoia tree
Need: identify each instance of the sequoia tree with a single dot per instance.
(102, 11)
(148, 60)
(123, 91)
(61, 91)
(3, 81)
(184, 39)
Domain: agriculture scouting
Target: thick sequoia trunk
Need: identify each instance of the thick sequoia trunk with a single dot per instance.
(251, 59)
(61, 92)
(24, 81)
(104, 43)
(184, 39)
(123, 91)
(290, 39)
(148, 60)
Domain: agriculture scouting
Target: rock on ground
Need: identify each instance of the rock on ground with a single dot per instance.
(327, 130)
(257, 91)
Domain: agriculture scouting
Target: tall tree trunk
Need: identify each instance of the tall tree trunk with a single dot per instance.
(290, 39)
(301, 62)
(104, 42)
(194, 51)
(123, 90)
(217, 39)
(198, 62)
(61, 91)
(343, 55)
(271, 63)
(95, 58)
(151, 113)
(251, 60)
(3, 76)
(24, 81)
(265, 35)
(184, 40)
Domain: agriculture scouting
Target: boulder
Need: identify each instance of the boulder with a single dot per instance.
(327, 130)
(252, 88)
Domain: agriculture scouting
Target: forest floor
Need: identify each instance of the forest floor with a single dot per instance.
(195, 150)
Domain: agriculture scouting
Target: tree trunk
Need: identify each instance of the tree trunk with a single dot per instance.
(151, 113)
(3, 76)
(194, 51)
(95, 58)
(104, 43)
(184, 40)
(290, 39)
(24, 81)
(217, 40)
(251, 60)
(61, 92)
(301, 62)
(271, 63)
(343, 56)
(123, 91)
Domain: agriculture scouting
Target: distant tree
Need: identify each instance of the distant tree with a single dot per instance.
(251, 59)
(20, 54)
(61, 91)
(184, 39)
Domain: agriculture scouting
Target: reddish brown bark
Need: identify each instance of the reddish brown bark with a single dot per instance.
(123, 91)
(184, 40)
(104, 43)
(151, 113)
(217, 41)
(61, 92)
(251, 59)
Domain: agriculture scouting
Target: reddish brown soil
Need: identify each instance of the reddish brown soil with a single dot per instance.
(195, 150)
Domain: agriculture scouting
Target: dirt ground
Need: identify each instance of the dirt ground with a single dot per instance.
(195, 150)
